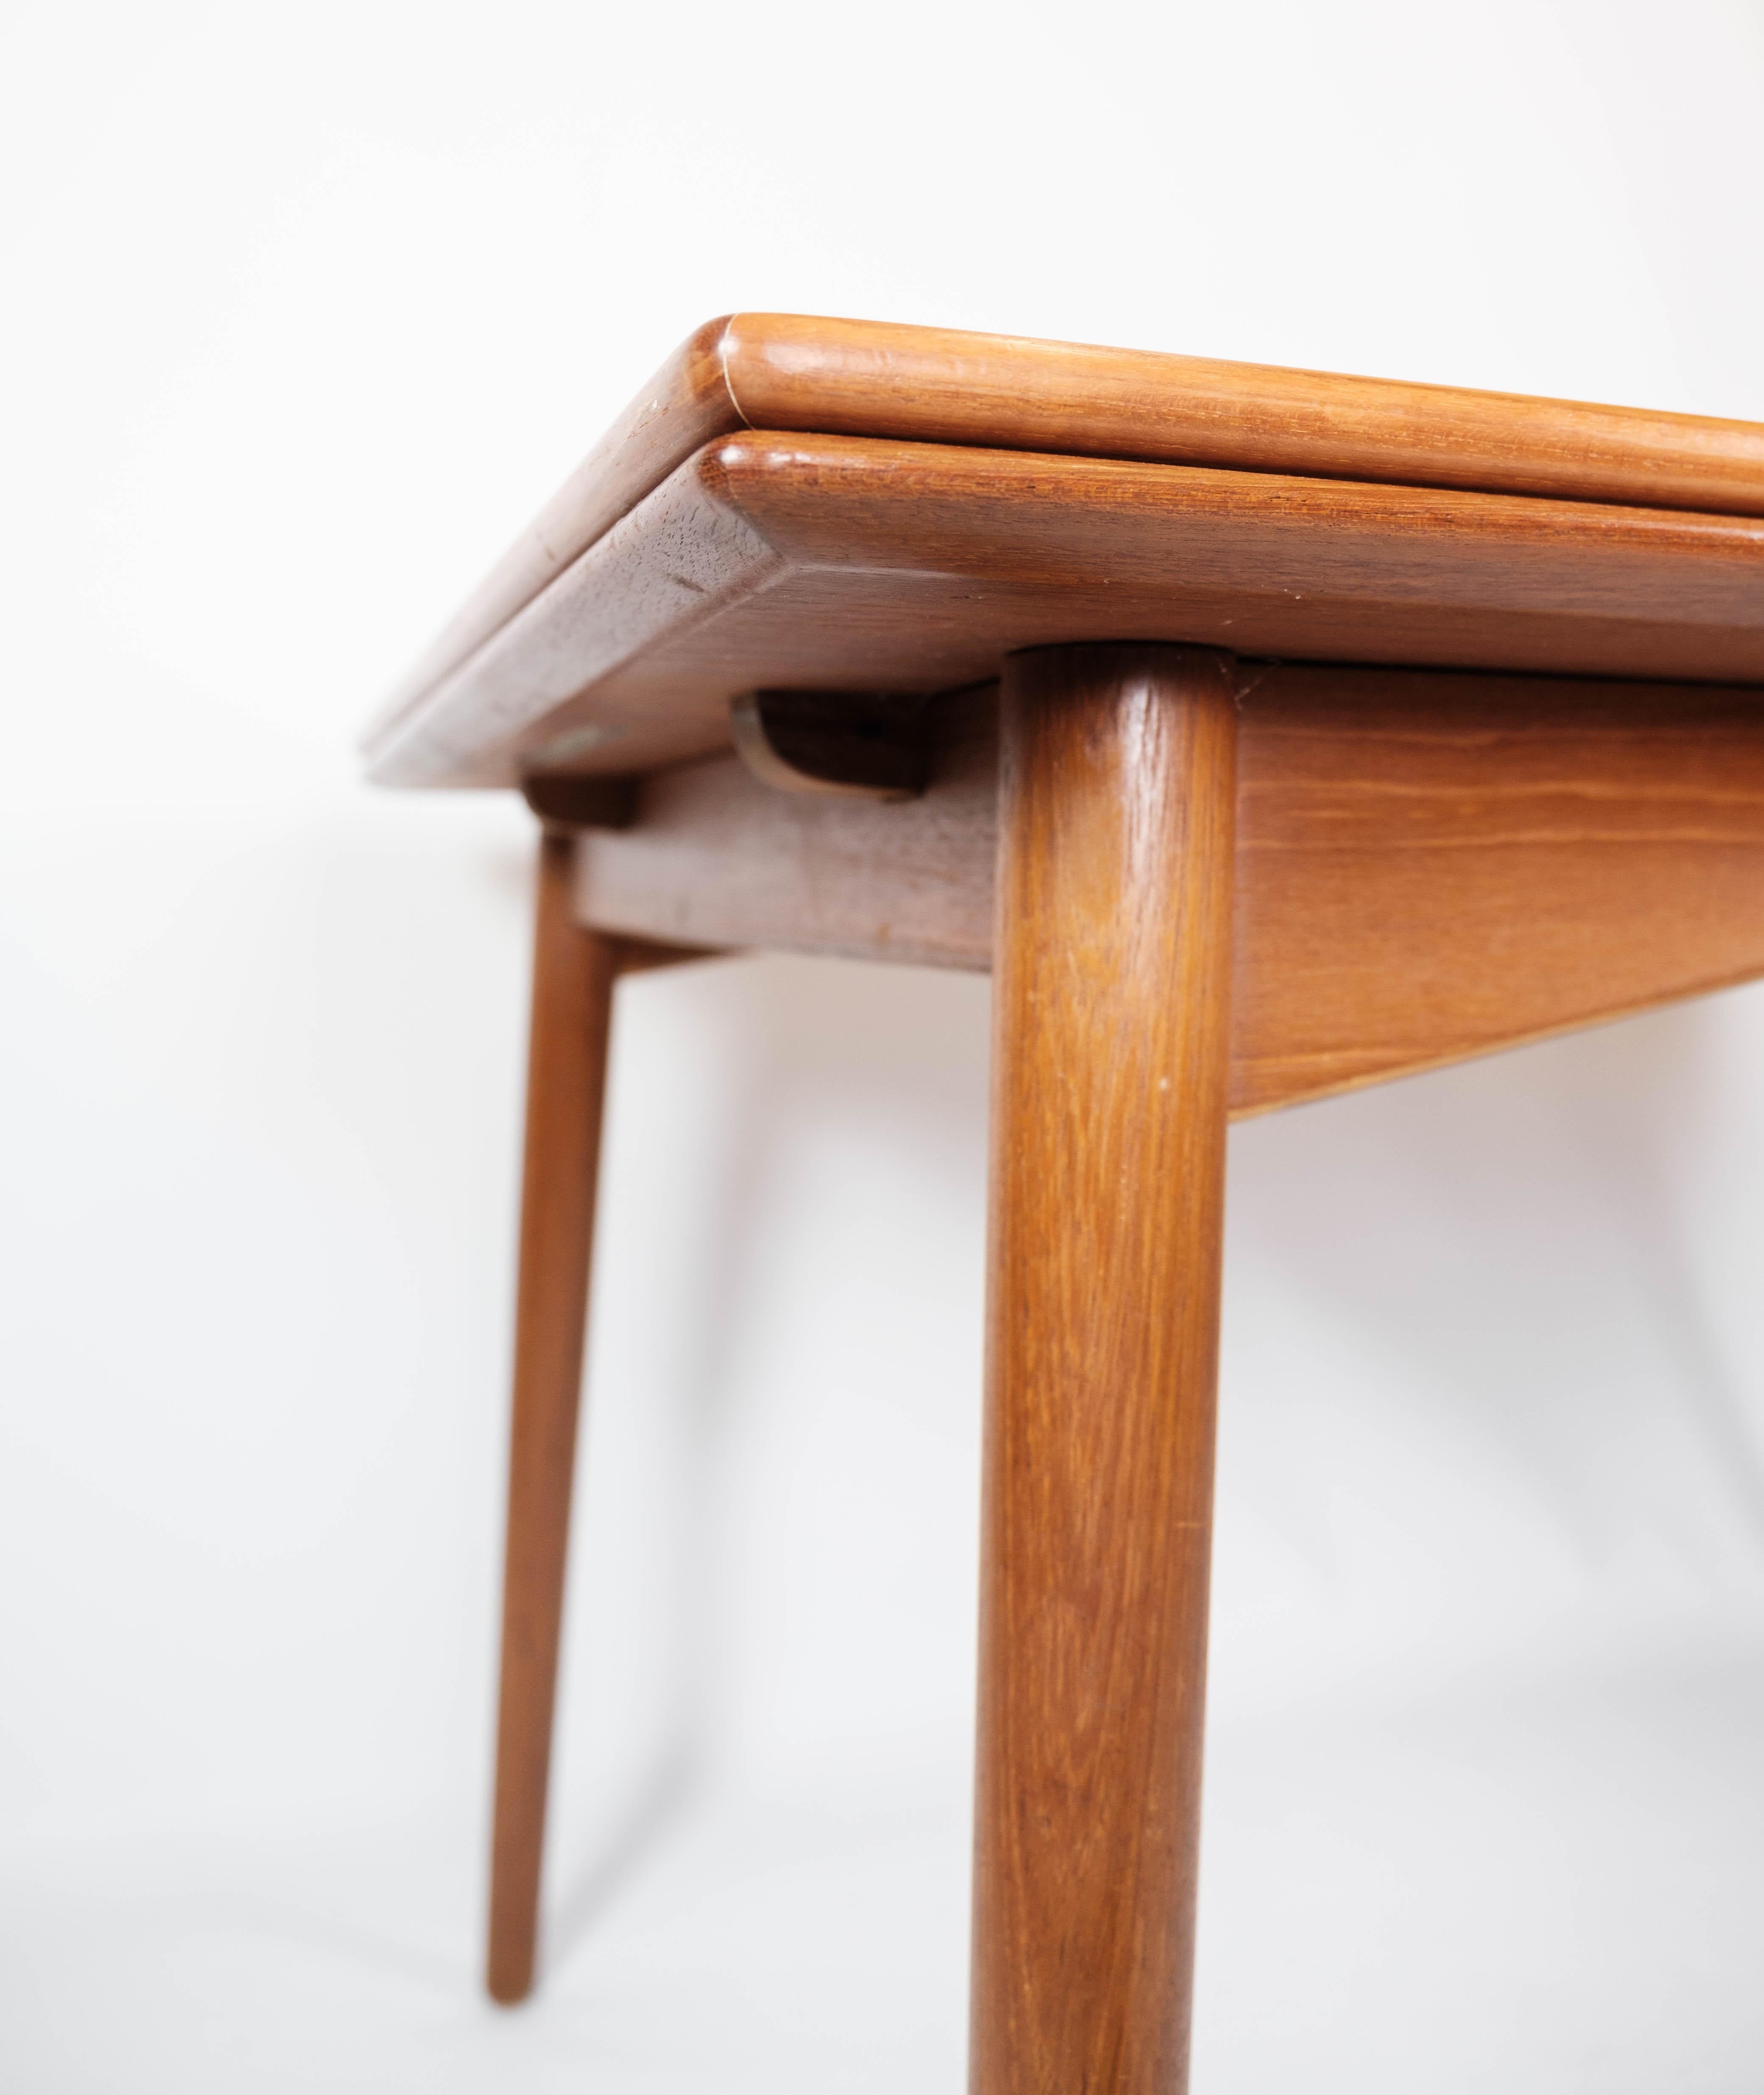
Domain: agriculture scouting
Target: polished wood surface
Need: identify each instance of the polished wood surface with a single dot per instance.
(830, 564)
(1429, 866)
(685, 405)
(1111, 1020)
(1346, 729)
(1437, 866)
(771, 371)
(573, 971)
(939, 386)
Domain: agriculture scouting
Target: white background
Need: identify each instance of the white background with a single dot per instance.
(307, 311)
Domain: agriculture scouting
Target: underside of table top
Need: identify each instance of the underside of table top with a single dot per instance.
(836, 506)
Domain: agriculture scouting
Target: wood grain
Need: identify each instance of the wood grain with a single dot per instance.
(839, 564)
(717, 857)
(1430, 865)
(868, 378)
(935, 384)
(573, 976)
(1111, 1025)
(1433, 866)
(685, 405)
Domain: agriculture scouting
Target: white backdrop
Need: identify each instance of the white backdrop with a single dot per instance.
(308, 309)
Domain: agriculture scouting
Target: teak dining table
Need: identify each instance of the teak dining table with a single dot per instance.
(1267, 734)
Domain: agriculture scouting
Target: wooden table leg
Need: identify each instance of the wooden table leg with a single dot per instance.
(572, 976)
(1112, 980)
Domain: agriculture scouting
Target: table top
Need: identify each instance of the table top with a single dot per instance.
(836, 505)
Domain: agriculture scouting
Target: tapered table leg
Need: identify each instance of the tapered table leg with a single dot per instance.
(1111, 983)
(573, 976)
